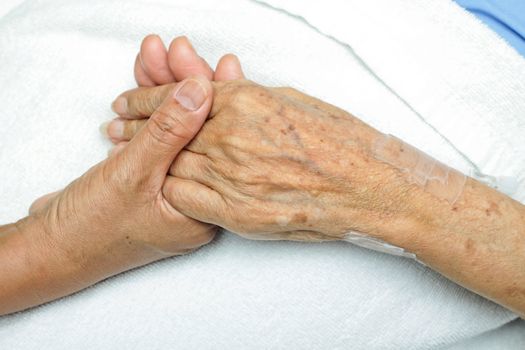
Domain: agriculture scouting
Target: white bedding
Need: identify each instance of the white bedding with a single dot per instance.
(8, 5)
(64, 61)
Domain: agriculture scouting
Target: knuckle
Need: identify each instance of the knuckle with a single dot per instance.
(123, 182)
(136, 105)
(137, 125)
(245, 219)
(144, 101)
(251, 91)
(237, 91)
(118, 178)
(189, 167)
(149, 105)
(168, 128)
(131, 127)
(243, 176)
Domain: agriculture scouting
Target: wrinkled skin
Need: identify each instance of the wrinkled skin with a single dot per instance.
(112, 218)
(115, 216)
(274, 163)
(126, 190)
(306, 173)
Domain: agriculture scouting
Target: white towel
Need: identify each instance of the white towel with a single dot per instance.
(63, 61)
(508, 337)
(8, 5)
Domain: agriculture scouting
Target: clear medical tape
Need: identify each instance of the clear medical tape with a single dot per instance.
(505, 184)
(419, 168)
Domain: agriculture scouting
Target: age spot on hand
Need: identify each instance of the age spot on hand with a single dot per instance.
(300, 218)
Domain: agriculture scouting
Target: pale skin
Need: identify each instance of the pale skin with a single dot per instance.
(274, 163)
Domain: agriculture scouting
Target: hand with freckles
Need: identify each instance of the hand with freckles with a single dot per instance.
(275, 163)
(269, 163)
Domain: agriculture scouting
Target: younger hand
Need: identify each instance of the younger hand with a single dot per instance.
(114, 217)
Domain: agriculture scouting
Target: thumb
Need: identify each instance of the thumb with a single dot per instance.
(173, 124)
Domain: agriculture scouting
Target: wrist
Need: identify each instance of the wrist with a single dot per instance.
(482, 215)
(477, 242)
(20, 274)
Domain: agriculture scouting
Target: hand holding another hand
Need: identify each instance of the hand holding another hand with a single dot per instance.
(112, 218)
(274, 163)
(115, 217)
(270, 163)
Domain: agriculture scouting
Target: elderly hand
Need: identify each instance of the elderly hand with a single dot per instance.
(278, 164)
(113, 218)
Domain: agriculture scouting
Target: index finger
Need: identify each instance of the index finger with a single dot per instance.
(141, 102)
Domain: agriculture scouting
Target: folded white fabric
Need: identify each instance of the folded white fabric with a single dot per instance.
(63, 61)
(508, 337)
(8, 5)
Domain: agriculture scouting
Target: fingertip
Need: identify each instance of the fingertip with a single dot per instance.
(183, 43)
(184, 61)
(140, 102)
(228, 68)
(180, 49)
(141, 77)
(120, 129)
(112, 129)
(120, 105)
(153, 57)
(103, 128)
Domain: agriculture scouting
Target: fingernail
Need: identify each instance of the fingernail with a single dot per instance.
(120, 105)
(112, 129)
(191, 95)
(115, 129)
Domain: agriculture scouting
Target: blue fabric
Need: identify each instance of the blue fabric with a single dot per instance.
(505, 17)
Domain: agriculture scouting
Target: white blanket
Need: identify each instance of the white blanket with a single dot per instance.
(425, 71)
